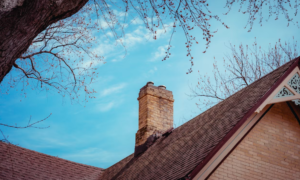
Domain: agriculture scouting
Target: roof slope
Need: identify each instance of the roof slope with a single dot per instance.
(117, 168)
(177, 155)
(20, 163)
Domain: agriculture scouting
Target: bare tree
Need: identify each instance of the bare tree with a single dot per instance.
(21, 22)
(241, 67)
(44, 44)
(59, 57)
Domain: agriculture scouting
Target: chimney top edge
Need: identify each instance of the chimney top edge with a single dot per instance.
(162, 86)
(150, 83)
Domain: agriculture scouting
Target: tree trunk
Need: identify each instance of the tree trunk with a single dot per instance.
(22, 20)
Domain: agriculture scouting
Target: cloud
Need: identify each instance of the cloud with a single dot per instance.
(106, 107)
(160, 53)
(153, 70)
(162, 31)
(44, 142)
(136, 21)
(110, 48)
(113, 90)
(142, 33)
(149, 73)
(110, 34)
(87, 156)
(104, 24)
(104, 48)
(119, 58)
(91, 63)
(137, 36)
(41, 140)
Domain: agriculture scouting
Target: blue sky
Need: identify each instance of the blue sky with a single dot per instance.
(103, 132)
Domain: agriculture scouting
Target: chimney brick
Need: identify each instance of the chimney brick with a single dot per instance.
(155, 111)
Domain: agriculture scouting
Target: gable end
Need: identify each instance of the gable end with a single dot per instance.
(249, 115)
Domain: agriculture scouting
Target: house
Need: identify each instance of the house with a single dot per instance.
(253, 134)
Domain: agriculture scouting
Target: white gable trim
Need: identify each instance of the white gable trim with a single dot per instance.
(272, 100)
(229, 145)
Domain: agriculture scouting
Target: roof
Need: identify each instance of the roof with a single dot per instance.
(192, 144)
(20, 163)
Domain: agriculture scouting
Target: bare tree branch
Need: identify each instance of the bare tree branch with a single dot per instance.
(241, 68)
(29, 125)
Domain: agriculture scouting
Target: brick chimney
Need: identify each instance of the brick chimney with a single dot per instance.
(155, 111)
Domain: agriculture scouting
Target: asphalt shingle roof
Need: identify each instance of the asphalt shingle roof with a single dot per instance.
(177, 155)
(170, 157)
(24, 164)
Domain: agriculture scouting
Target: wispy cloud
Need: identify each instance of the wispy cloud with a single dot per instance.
(119, 58)
(149, 73)
(92, 63)
(139, 35)
(153, 70)
(137, 21)
(112, 90)
(106, 107)
(159, 54)
(104, 48)
(87, 156)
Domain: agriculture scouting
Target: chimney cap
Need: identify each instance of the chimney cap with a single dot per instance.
(150, 83)
(162, 86)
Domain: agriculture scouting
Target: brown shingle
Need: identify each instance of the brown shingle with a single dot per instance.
(114, 169)
(177, 155)
(24, 164)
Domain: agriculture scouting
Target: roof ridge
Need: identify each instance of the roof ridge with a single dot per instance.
(257, 80)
